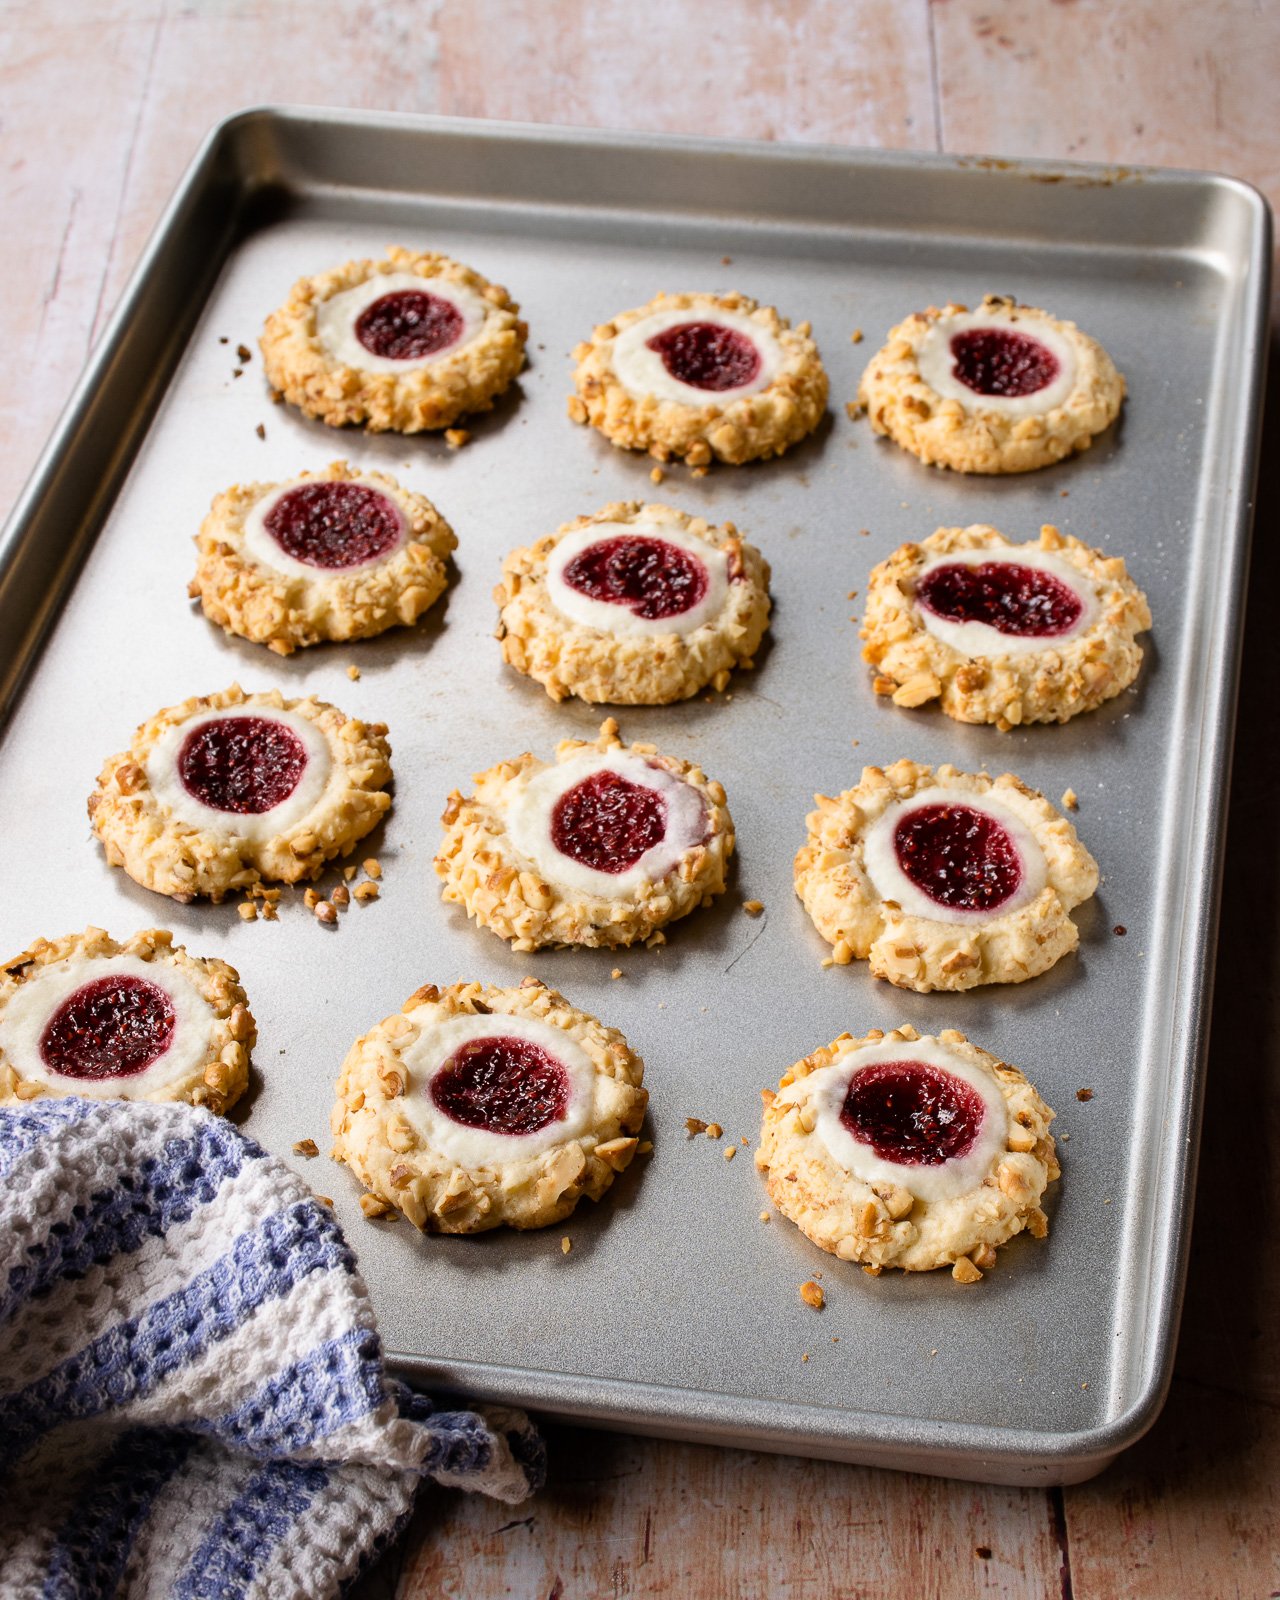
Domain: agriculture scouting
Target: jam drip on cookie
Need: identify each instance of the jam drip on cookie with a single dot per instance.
(408, 325)
(113, 1027)
(606, 822)
(997, 361)
(958, 856)
(651, 577)
(334, 524)
(242, 764)
(1007, 596)
(912, 1113)
(503, 1085)
(707, 355)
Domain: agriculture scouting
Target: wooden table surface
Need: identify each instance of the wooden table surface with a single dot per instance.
(102, 103)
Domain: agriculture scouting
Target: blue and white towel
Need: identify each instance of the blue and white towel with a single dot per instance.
(193, 1402)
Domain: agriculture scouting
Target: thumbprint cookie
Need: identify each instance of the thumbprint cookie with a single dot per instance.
(408, 343)
(338, 554)
(603, 846)
(901, 1151)
(702, 376)
(943, 879)
(140, 1020)
(229, 789)
(637, 605)
(1005, 388)
(475, 1107)
(1001, 632)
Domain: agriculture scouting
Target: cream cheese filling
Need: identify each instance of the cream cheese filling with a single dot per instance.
(618, 619)
(824, 1092)
(172, 793)
(643, 373)
(880, 858)
(936, 363)
(433, 1048)
(268, 552)
(31, 1009)
(979, 638)
(337, 316)
(529, 819)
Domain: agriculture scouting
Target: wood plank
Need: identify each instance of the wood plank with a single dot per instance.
(647, 1518)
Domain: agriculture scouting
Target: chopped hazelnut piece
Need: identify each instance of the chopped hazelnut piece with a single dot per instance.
(812, 1295)
(374, 1205)
(658, 475)
(694, 1125)
(353, 672)
(341, 896)
(365, 891)
(373, 867)
(326, 913)
(566, 1244)
(1070, 799)
(753, 908)
(1084, 1094)
(310, 899)
(714, 1130)
(306, 1147)
(730, 1152)
(616, 973)
(455, 438)
(248, 911)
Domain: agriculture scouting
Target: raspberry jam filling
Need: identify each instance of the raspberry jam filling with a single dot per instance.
(110, 1028)
(959, 856)
(1007, 596)
(996, 361)
(651, 577)
(242, 764)
(334, 524)
(607, 822)
(503, 1085)
(707, 355)
(912, 1113)
(409, 324)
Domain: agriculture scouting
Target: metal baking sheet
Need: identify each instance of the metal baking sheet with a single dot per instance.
(677, 1311)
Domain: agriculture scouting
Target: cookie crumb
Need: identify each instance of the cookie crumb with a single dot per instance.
(455, 438)
(353, 672)
(326, 913)
(566, 1244)
(1084, 1385)
(714, 1130)
(864, 533)
(853, 409)
(324, 1199)
(306, 1147)
(1070, 799)
(373, 867)
(365, 892)
(812, 1294)
(373, 1205)
(657, 475)
(261, 430)
(764, 1216)
(852, 594)
(1084, 1094)
(348, 873)
(856, 336)
(269, 911)
(243, 353)
(248, 911)
(983, 1552)
(616, 973)
(1120, 929)
(694, 1126)
(753, 908)
(805, 1356)
(730, 1152)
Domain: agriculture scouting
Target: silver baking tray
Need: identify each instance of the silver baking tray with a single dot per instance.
(677, 1310)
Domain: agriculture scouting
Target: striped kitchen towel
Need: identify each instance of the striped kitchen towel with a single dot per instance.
(193, 1402)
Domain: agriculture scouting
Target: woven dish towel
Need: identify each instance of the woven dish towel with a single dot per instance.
(193, 1403)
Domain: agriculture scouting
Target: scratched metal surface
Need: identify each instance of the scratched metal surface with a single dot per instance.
(677, 1310)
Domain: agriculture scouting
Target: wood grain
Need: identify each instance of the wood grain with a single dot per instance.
(102, 104)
